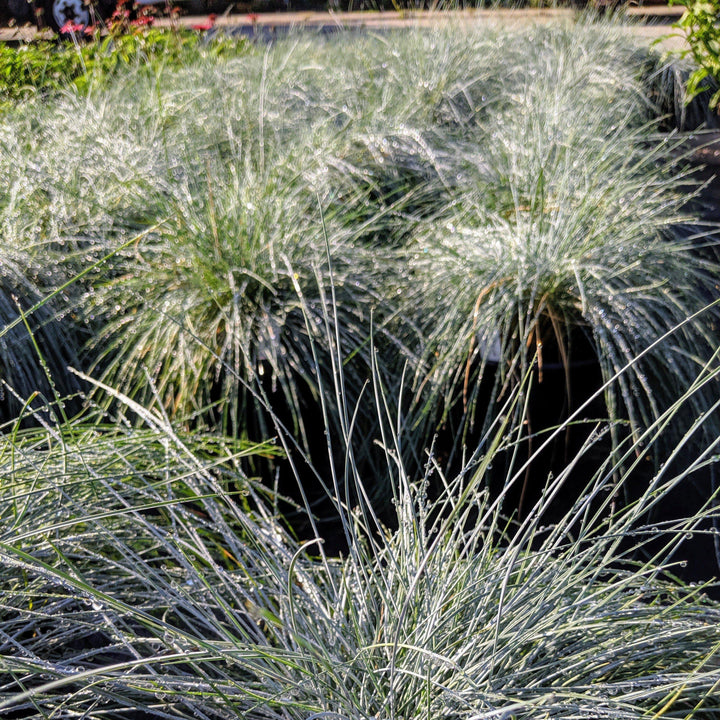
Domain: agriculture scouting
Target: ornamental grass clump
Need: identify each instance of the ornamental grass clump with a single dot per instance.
(570, 241)
(599, 251)
(221, 281)
(230, 313)
(151, 589)
(236, 228)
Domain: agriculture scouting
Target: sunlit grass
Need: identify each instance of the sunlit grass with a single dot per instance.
(569, 228)
(152, 587)
(298, 244)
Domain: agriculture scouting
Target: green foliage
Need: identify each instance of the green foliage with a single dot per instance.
(50, 66)
(699, 24)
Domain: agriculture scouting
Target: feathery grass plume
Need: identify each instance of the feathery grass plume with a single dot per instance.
(152, 589)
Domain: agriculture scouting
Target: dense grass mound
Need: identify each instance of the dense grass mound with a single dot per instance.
(151, 590)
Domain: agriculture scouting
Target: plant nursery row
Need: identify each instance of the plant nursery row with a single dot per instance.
(361, 377)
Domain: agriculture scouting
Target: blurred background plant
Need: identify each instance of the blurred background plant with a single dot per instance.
(48, 66)
(699, 27)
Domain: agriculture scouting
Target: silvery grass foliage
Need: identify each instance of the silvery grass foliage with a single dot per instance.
(419, 104)
(222, 183)
(573, 221)
(250, 182)
(233, 279)
(379, 128)
(150, 589)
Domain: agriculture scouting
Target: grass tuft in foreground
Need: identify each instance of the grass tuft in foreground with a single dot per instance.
(153, 588)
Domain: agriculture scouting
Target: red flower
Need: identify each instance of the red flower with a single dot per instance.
(207, 25)
(143, 20)
(71, 27)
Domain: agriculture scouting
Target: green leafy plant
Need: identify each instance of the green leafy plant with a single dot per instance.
(51, 66)
(699, 27)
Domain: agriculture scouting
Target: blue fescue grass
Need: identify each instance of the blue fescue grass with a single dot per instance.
(151, 587)
(358, 221)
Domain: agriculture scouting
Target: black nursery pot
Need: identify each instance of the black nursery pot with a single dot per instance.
(562, 385)
(557, 390)
(299, 475)
(48, 391)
